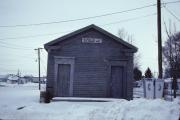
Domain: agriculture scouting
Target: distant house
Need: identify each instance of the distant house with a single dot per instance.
(23, 80)
(36, 79)
(90, 62)
(12, 79)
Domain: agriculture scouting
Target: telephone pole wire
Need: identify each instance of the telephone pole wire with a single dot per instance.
(39, 65)
(159, 38)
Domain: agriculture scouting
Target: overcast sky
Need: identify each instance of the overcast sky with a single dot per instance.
(17, 44)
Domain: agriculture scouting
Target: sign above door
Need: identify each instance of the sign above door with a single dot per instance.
(91, 40)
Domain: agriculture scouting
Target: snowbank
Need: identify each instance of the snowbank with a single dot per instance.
(139, 109)
(22, 103)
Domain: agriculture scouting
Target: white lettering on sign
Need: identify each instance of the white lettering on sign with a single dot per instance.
(91, 40)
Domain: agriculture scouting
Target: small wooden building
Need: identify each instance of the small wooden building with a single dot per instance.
(90, 62)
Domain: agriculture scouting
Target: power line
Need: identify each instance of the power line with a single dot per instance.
(26, 57)
(20, 47)
(84, 18)
(172, 13)
(43, 64)
(42, 35)
(38, 35)
(26, 48)
(170, 2)
(79, 19)
(5, 43)
(130, 19)
(15, 48)
(125, 20)
(18, 58)
(87, 18)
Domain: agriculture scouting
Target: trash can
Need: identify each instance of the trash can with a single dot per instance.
(153, 88)
(159, 87)
(148, 84)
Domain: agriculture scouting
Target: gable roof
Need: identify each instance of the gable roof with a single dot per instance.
(49, 44)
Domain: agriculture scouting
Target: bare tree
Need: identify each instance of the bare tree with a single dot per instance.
(137, 58)
(125, 36)
(171, 52)
(129, 38)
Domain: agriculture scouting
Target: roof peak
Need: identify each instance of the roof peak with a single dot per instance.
(49, 44)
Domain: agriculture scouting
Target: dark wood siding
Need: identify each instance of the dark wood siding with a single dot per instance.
(92, 63)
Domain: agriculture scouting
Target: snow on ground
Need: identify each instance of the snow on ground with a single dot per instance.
(21, 102)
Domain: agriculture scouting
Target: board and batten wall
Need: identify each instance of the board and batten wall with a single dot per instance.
(92, 67)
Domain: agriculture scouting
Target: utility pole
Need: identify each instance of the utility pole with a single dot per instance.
(39, 66)
(159, 38)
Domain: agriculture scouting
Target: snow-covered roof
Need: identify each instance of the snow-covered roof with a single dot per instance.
(12, 78)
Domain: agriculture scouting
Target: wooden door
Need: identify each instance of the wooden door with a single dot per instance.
(116, 83)
(63, 80)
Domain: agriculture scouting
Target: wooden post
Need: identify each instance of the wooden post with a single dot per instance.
(159, 38)
(39, 66)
